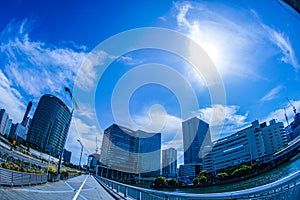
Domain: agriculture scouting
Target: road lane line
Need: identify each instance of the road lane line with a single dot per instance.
(70, 186)
(77, 193)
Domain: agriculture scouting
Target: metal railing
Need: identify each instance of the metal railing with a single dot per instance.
(288, 187)
(15, 178)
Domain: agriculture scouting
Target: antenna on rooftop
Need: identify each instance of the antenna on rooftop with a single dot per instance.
(97, 148)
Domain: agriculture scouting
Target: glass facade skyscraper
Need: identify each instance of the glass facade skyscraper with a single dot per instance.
(149, 153)
(120, 148)
(131, 151)
(196, 135)
(169, 162)
(50, 125)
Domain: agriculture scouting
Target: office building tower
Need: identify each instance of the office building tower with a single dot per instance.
(169, 162)
(149, 153)
(120, 149)
(131, 151)
(196, 134)
(93, 161)
(20, 132)
(49, 126)
(8, 126)
(3, 121)
(190, 170)
(25, 117)
(274, 136)
(67, 156)
(12, 131)
(252, 144)
(294, 4)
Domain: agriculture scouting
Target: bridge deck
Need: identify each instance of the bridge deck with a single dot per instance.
(65, 190)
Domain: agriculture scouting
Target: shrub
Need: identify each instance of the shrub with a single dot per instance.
(222, 176)
(23, 170)
(15, 167)
(203, 173)
(196, 181)
(52, 170)
(172, 182)
(202, 179)
(242, 171)
(159, 181)
(30, 170)
(6, 165)
(64, 172)
(40, 172)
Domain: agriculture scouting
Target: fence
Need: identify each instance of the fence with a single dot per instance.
(286, 188)
(15, 178)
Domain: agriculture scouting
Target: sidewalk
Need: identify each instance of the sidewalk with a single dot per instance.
(62, 190)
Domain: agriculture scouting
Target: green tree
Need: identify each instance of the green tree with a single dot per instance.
(203, 179)
(172, 182)
(203, 173)
(196, 181)
(222, 176)
(242, 171)
(159, 181)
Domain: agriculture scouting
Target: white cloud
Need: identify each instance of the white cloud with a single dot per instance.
(233, 43)
(222, 119)
(89, 71)
(10, 100)
(46, 67)
(272, 94)
(285, 46)
(279, 114)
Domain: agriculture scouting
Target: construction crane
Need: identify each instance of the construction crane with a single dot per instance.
(286, 118)
(294, 108)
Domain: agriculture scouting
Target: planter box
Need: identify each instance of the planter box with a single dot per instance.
(53, 177)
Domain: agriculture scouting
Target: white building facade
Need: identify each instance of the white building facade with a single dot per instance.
(169, 162)
(252, 144)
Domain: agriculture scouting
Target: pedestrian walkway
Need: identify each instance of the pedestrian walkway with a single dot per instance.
(83, 187)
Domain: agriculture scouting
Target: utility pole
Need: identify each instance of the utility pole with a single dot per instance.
(77, 108)
(80, 153)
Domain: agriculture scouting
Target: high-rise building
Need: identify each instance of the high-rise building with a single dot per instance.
(190, 170)
(120, 149)
(8, 126)
(274, 136)
(149, 153)
(12, 131)
(169, 162)
(50, 124)
(21, 132)
(131, 151)
(93, 161)
(196, 134)
(294, 4)
(252, 144)
(67, 156)
(3, 121)
(25, 117)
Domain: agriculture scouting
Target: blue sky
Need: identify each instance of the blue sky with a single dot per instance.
(254, 46)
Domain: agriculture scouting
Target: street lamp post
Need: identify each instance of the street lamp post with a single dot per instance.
(80, 152)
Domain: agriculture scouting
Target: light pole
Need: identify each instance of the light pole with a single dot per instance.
(80, 152)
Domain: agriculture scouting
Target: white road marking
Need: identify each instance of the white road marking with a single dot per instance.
(77, 193)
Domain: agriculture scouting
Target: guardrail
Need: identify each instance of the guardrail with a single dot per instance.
(286, 188)
(15, 178)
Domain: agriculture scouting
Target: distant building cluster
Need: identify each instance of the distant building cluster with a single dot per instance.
(126, 153)
(137, 152)
(46, 131)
